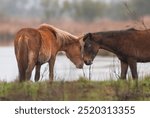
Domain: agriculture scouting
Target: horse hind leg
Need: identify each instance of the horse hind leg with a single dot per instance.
(133, 67)
(124, 68)
(31, 65)
(37, 72)
(29, 71)
(21, 73)
(51, 68)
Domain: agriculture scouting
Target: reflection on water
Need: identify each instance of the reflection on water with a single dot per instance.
(103, 68)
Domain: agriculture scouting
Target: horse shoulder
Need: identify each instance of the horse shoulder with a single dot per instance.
(47, 45)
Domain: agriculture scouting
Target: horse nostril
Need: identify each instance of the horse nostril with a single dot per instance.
(88, 62)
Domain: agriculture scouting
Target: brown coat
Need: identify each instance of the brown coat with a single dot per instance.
(33, 47)
(131, 46)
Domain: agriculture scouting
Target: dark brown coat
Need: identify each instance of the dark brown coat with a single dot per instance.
(130, 46)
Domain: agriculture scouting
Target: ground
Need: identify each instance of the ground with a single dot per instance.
(81, 90)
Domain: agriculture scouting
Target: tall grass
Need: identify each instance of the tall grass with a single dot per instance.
(82, 89)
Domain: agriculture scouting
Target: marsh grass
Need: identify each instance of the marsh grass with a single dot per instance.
(82, 89)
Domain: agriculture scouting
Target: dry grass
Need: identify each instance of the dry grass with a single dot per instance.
(77, 28)
(8, 28)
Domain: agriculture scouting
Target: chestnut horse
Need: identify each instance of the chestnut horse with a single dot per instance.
(130, 46)
(34, 47)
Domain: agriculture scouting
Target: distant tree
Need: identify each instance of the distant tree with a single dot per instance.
(2, 16)
(142, 7)
(132, 9)
(117, 11)
(51, 9)
(87, 10)
(67, 10)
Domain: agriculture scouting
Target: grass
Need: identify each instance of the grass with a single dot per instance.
(81, 89)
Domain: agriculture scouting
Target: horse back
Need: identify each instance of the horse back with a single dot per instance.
(132, 43)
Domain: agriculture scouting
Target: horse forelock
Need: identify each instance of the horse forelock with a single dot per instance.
(62, 36)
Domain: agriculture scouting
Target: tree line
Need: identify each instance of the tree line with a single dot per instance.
(86, 10)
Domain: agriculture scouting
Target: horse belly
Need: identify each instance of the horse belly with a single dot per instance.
(143, 56)
(144, 59)
(43, 58)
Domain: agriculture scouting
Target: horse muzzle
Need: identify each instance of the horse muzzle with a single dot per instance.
(80, 66)
(88, 62)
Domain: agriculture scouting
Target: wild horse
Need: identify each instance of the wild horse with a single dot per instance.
(34, 47)
(130, 46)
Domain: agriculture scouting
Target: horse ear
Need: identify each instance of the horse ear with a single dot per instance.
(86, 36)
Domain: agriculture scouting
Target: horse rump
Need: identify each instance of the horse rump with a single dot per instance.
(21, 52)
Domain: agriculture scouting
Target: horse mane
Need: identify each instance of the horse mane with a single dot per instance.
(113, 33)
(62, 36)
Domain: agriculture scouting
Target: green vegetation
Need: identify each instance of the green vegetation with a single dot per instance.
(87, 10)
(82, 89)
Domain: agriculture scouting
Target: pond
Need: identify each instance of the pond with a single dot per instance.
(103, 68)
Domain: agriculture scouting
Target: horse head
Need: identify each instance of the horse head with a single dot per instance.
(90, 49)
(74, 53)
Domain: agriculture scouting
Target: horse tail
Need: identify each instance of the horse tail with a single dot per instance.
(21, 51)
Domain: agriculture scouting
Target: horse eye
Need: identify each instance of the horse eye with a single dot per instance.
(89, 45)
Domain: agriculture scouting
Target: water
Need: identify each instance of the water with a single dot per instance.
(103, 68)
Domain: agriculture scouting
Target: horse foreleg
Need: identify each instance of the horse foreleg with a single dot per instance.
(37, 72)
(51, 68)
(133, 67)
(124, 68)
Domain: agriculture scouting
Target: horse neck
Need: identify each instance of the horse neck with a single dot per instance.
(109, 44)
(67, 42)
(108, 48)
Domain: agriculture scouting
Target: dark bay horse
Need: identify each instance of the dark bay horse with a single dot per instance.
(130, 46)
(34, 47)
